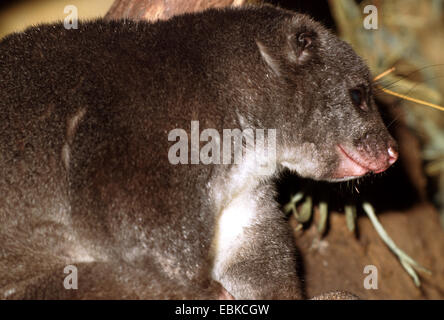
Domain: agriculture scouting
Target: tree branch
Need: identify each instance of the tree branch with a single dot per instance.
(153, 10)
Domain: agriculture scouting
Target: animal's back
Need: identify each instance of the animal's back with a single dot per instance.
(84, 170)
(83, 151)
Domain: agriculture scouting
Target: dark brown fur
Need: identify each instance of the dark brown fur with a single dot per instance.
(84, 173)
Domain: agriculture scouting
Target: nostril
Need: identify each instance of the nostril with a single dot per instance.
(393, 155)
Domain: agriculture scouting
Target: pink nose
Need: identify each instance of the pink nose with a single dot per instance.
(393, 155)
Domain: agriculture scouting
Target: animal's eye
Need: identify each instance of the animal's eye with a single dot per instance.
(357, 96)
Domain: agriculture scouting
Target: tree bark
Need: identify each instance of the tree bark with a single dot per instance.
(153, 10)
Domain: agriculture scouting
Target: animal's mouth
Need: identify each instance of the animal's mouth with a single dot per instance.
(354, 164)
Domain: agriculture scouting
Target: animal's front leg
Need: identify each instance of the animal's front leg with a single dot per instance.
(254, 249)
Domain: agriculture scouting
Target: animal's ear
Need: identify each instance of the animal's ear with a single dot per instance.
(298, 50)
(301, 46)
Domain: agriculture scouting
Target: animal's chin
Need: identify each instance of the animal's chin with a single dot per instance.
(289, 165)
(305, 170)
(354, 164)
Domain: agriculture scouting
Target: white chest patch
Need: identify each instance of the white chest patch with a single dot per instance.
(236, 199)
(230, 233)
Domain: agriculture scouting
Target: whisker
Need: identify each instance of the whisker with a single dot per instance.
(378, 87)
(403, 96)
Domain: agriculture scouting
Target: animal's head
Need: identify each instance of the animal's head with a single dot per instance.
(329, 126)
